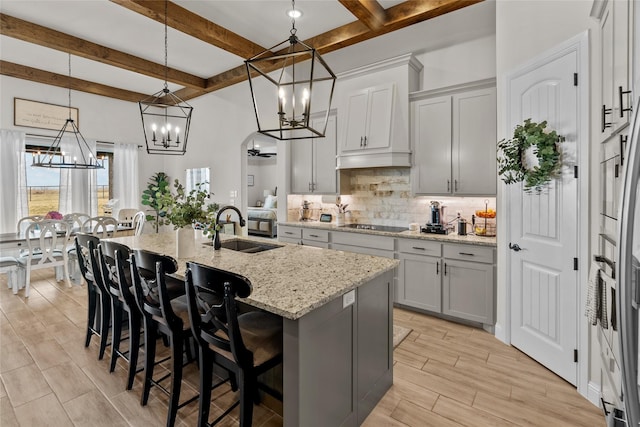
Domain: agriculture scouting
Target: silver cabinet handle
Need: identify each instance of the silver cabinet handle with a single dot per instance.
(365, 141)
(605, 111)
(438, 268)
(419, 248)
(314, 235)
(445, 268)
(361, 141)
(288, 232)
(448, 185)
(455, 185)
(620, 95)
(466, 253)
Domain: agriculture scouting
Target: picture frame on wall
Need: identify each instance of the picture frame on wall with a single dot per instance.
(42, 115)
(250, 180)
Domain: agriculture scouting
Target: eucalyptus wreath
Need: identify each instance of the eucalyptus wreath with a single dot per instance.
(511, 166)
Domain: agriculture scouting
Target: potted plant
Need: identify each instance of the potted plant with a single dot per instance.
(157, 187)
(184, 211)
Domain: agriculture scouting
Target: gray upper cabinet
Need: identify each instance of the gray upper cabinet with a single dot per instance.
(454, 142)
(313, 163)
(368, 119)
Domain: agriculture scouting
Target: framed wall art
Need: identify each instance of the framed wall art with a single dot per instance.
(35, 114)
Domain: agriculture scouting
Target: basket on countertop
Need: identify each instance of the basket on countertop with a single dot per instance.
(485, 223)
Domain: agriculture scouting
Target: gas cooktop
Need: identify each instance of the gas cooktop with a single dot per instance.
(373, 227)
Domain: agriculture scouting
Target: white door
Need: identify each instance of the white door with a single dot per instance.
(544, 292)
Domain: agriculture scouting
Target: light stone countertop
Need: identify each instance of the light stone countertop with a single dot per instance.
(290, 281)
(446, 238)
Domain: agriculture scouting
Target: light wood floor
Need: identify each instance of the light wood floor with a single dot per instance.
(445, 374)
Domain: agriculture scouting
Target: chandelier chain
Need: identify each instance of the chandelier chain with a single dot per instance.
(166, 66)
(293, 19)
(69, 81)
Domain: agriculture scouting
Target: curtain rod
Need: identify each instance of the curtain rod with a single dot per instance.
(35, 135)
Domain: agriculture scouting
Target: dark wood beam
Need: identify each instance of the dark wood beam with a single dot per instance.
(46, 77)
(194, 25)
(370, 12)
(43, 36)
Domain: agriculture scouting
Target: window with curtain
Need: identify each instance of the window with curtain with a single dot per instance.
(43, 185)
(125, 177)
(13, 191)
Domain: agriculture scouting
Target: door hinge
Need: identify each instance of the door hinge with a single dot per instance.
(575, 79)
(575, 263)
(575, 171)
(575, 355)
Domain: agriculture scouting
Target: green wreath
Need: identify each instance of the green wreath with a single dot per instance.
(511, 152)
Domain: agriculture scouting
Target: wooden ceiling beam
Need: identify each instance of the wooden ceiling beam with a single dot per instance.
(370, 12)
(399, 16)
(53, 79)
(43, 36)
(194, 25)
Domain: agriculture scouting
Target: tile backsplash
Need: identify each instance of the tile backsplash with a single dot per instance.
(382, 196)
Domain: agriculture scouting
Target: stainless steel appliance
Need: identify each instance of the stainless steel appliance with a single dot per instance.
(305, 211)
(628, 275)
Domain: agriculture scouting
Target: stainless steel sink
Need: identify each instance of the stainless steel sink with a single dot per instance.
(246, 246)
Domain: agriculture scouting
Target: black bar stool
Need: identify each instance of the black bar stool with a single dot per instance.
(247, 345)
(97, 292)
(162, 299)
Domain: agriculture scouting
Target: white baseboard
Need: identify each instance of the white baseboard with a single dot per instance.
(500, 333)
(593, 393)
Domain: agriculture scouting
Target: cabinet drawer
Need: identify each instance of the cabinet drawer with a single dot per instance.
(419, 247)
(363, 240)
(469, 253)
(362, 250)
(316, 235)
(289, 232)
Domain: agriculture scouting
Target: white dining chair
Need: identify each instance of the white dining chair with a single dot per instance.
(24, 222)
(138, 222)
(101, 226)
(9, 266)
(48, 250)
(75, 221)
(126, 216)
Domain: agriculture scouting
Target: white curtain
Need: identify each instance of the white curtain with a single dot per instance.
(78, 187)
(125, 176)
(13, 173)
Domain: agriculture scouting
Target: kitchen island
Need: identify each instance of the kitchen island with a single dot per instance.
(337, 316)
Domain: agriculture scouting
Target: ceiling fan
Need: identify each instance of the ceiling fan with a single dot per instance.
(254, 152)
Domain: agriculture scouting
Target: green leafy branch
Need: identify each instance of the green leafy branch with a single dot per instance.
(511, 152)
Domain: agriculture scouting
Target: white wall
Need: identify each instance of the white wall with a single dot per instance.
(264, 171)
(524, 30)
(462, 63)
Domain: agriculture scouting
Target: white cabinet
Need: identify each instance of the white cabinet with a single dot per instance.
(615, 49)
(313, 162)
(373, 113)
(368, 119)
(289, 234)
(367, 244)
(315, 237)
(467, 290)
(454, 141)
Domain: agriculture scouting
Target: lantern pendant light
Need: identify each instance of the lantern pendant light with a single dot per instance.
(82, 158)
(295, 101)
(165, 117)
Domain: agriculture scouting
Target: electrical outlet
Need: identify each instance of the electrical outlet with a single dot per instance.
(348, 298)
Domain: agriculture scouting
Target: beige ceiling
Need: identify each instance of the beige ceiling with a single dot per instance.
(117, 46)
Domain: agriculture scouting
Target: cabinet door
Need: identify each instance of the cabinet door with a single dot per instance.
(606, 55)
(301, 172)
(621, 61)
(431, 139)
(419, 282)
(474, 143)
(324, 160)
(468, 291)
(379, 115)
(356, 120)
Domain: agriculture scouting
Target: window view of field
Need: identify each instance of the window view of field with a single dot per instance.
(43, 189)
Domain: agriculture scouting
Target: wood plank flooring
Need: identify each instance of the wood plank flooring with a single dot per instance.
(445, 374)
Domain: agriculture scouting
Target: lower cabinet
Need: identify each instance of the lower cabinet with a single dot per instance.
(467, 290)
(437, 277)
(456, 280)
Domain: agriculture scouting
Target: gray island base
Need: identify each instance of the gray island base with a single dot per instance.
(338, 322)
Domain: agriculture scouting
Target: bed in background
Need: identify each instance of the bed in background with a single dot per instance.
(263, 221)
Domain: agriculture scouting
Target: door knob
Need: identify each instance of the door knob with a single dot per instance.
(515, 247)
